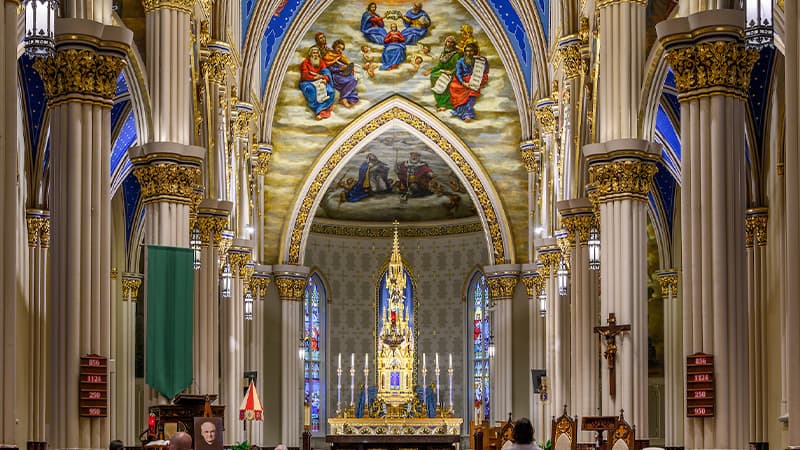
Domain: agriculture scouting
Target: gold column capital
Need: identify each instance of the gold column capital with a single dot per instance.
(781, 4)
(177, 5)
(38, 222)
(239, 257)
(80, 74)
(534, 282)
(211, 227)
(291, 287)
(218, 62)
(755, 227)
(549, 257)
(578, 226)
(259, 283)
(531, 154)
(262, 155)
(501, 285)
(569, 58)
(712, 68)
(131, 282)
(668, 280)
(243, 120)
(607, 3)
(544, 114)
(622, 178)
(168, 182)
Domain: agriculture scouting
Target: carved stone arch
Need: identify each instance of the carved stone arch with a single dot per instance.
(308, 15)
(398, 111)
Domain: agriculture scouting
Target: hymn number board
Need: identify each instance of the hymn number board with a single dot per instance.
(93, 394)
(700, 385)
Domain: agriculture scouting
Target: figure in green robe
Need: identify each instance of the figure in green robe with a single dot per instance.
(446, 64)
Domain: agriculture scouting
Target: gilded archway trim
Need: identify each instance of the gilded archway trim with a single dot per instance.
(401, 112)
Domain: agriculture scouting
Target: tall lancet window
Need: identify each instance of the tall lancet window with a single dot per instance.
(481, 334)
(313, 341)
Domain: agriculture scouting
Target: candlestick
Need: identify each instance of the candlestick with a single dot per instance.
(423, 361)
(450, 386)
(437, 360)
(339, 388)
(424, 386)
(340, 361)
(366, 384)
(352, 378)
(451, 361)
(438, 402)
(366, 360)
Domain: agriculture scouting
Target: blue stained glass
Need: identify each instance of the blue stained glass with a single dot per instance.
(481, 332)
(312, 343)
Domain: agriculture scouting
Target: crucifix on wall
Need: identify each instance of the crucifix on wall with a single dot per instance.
(610, 332)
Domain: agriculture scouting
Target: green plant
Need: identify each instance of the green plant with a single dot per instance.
(244, 445)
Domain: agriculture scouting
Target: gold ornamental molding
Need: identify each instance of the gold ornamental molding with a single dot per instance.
(607, 3)
(79, 75)
(211, 227)
(578, 226)
(618, 179)
(530, 153)
(569, 58)
(755, 227)
(290, 287)
(544, 114)
(549, 257)
(259, 283)
(245, 115)
(668, 281)
(168, 182)
(185, 6)
(218, 63)
(712, 68)
(534, 282)
(501, 286)
(239, 258)
(131, 282)
(262, 155)
(381, 231)
(38, 222)
(484, 201)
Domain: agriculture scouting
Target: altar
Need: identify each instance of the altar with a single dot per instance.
(399, 412)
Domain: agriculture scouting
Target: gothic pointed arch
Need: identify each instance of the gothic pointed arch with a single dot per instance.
(400, 112)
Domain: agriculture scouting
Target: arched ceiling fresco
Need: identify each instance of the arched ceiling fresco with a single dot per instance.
(299, 136)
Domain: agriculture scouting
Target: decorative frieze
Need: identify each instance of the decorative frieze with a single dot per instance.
(755, 227)
(164, 181)
(38, 222)
(79, 74)
(719, 68)
(178, 5)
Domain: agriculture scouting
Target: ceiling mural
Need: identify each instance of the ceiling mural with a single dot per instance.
(396, 176)
(359, 53)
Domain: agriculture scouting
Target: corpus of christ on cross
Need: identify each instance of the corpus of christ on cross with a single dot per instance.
(610, 333)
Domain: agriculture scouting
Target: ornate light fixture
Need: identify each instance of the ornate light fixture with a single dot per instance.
(594, 249)
(758, 28)
(562, 274)
(195, 243)
(227, 276)
(492, 349)
(542, 303)
(248, 306)
(39, 22)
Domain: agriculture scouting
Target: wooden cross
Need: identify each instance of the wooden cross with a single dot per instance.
(610, 333)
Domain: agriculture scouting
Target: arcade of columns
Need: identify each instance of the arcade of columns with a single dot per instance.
(587, 167)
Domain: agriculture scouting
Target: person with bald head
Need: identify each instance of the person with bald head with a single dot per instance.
(180, 441)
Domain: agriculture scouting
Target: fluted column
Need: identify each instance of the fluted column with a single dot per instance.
(216, 62)
(232, 332)
(547, 124)
(534, 285)
(212, 220)
(168, 69)
(712, 72)
(756, 247)
(125, 399)
(792, 205)
(531, 154)
(291, 282)
(254, 338)
(262, 154)
(38, 222)
(244, 114)
(674, 360)
(571, 68)
(79, 82)
(577, 220)
(621, 172)
(501, 278)
(621, 69)
(8, 224)
(556, 317)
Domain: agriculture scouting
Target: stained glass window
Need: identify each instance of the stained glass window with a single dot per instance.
(481, 332)
(313, 313)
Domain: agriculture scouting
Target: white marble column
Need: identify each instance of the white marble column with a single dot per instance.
(674, 361)
(756, 247)
(9, 162)
(254, 340)
(557, 316)
(571, 69)
(547, 125)
(79, 83)
(712, 72)
(126, 400)
(577, 219)
(534, 284)
(232, 333)
(38, 222)
(621, 172)
(530, 152)
(792, 204)
(212, 219)
(291, 282)
(243, 116)
(501, 278)
(262, 154)
(215, 65)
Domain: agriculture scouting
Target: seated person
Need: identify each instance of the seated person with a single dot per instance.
(522, 437)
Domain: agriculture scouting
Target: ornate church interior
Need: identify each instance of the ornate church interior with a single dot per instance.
(398, 225)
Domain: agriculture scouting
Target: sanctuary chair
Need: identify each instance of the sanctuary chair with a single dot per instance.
(564, 432)
(506, 433)
(622, 436)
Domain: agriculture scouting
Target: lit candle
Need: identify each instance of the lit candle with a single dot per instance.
(423, 361)
(366, 361)
(352, 360)
(451, 361)
(437, 360)
(340, 361)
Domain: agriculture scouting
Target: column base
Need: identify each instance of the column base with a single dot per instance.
(759, 446)
(36, 445)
